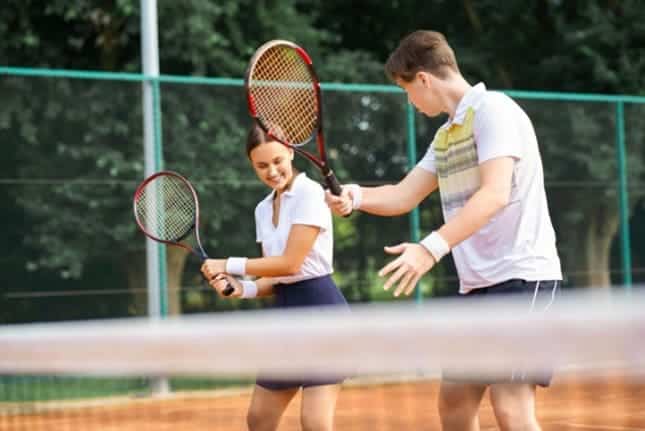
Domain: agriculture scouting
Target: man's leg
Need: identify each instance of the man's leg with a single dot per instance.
(459, 405)
(514, 406)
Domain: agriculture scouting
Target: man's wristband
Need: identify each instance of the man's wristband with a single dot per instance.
(357, 195)
(436, 245)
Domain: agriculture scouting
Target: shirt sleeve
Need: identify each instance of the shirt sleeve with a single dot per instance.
(427, 162)
(497, 128)
(310, 208)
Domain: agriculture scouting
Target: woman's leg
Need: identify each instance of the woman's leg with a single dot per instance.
(318, 407)
(267, 407)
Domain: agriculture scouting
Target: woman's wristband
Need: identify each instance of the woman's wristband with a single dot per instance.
(249, 289)
(236, 265)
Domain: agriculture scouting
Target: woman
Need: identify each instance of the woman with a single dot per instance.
(294, 226)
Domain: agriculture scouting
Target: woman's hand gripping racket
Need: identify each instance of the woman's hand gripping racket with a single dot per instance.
(283, 94)
(166, 209)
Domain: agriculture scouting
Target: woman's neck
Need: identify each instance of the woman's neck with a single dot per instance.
(286, 188)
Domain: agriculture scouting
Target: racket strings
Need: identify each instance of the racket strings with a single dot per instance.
(166, 208)
(283, 90)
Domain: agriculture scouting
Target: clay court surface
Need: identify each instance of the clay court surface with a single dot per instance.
(611, 403)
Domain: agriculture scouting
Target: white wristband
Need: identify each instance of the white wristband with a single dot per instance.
(357, 195)
(236, 265)
(249, 289)
(436, 245)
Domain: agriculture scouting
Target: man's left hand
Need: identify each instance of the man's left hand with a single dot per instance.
(414, 261)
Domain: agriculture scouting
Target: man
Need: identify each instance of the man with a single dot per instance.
(486, 163)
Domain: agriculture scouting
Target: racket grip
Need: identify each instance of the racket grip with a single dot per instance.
(228, 290)
(332, 183)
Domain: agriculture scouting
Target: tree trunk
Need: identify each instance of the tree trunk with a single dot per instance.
(135, 264)
(176, 260)
(591, 266)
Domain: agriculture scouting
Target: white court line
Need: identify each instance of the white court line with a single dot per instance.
(598, 427)
(577, 425)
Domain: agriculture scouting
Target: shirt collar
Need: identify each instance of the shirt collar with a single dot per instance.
(472, 98)
(295, 185)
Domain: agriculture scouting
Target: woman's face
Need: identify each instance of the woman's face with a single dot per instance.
(272, 163)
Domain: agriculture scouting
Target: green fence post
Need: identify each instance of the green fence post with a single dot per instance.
(412, 161)
(623, 198)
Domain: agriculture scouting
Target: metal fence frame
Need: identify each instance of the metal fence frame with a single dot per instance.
(619, 102)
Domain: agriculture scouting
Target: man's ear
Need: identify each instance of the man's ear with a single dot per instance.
(424, 78)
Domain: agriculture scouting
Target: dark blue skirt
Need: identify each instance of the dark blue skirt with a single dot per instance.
(315, 292)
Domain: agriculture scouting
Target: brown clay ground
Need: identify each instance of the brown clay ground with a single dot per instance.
(612, 404)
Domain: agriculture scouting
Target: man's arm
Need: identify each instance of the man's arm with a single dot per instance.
(415, 260)
(388, 200)
(496, 177)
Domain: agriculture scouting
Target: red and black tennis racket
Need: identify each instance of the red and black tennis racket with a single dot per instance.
(283, 94)
(166, 209)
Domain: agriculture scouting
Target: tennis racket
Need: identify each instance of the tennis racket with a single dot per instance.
(283, 95)
(166, 209)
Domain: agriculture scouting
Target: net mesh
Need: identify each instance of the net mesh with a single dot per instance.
(282, 89)
(165, 208)
(106, 375)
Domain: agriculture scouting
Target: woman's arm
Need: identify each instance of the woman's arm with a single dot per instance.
(299, 243)
(263, 286)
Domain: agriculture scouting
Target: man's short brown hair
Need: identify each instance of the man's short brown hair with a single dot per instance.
(422, 50)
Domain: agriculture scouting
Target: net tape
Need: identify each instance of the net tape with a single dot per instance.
(482, 337)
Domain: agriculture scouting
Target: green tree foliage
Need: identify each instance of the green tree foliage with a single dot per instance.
(75, 145)
(80, 146)
(553, 45)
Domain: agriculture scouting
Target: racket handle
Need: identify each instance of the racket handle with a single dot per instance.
(228, 290)
(332, 183)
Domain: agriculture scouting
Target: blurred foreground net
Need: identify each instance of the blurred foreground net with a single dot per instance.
(197, 372)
